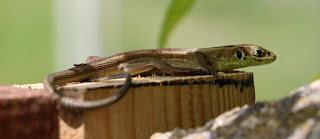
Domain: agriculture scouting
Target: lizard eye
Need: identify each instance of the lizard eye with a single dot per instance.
(259, 53)
(239, 54)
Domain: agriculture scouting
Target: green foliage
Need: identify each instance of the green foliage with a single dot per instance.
(317, 77)
(175, 12)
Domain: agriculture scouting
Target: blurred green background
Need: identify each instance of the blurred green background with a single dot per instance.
(290, 29)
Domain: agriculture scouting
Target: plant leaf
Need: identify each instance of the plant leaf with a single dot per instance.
(175, 12)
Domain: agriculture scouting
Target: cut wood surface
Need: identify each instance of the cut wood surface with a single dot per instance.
(156, 104)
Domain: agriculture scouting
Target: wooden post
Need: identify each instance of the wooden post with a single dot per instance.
(28, 114)
(158, 104)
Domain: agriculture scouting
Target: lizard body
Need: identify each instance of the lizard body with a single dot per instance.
(176, 61)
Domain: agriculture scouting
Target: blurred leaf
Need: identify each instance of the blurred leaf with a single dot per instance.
(175, 12)
(317, 77)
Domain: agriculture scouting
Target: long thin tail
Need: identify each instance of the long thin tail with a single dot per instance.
(74, 104)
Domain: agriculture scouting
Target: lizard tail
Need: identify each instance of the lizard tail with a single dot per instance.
(74, 104)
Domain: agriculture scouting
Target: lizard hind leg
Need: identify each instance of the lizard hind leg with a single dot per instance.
(137, 66)
(142, 65)
(88, 60)
(92, 58)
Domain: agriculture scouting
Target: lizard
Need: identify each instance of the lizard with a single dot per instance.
(175, 61)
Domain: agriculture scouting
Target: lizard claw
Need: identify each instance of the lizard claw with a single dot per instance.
(213, 73)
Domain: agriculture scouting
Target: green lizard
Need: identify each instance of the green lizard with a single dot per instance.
(175, 61)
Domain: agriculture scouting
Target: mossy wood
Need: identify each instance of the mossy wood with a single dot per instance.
(158, 104)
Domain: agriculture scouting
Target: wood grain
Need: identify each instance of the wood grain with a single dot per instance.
(158, 104)
(153, 104)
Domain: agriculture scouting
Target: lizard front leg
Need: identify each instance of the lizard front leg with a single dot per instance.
(142, 65)
(204, 61)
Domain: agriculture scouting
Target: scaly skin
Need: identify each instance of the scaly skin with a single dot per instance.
(177, 61)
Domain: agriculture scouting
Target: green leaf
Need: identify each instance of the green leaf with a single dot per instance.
(175, 12)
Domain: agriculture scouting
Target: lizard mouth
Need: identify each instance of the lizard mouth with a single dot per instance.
(267, 59)
(257, 59)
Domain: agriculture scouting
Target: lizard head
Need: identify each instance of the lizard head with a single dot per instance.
(231, 57)
(238, 56)
(254, 54)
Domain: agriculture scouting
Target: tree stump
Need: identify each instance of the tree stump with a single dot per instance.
(156, 104)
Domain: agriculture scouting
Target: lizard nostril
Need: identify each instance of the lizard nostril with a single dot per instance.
(268, 53)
